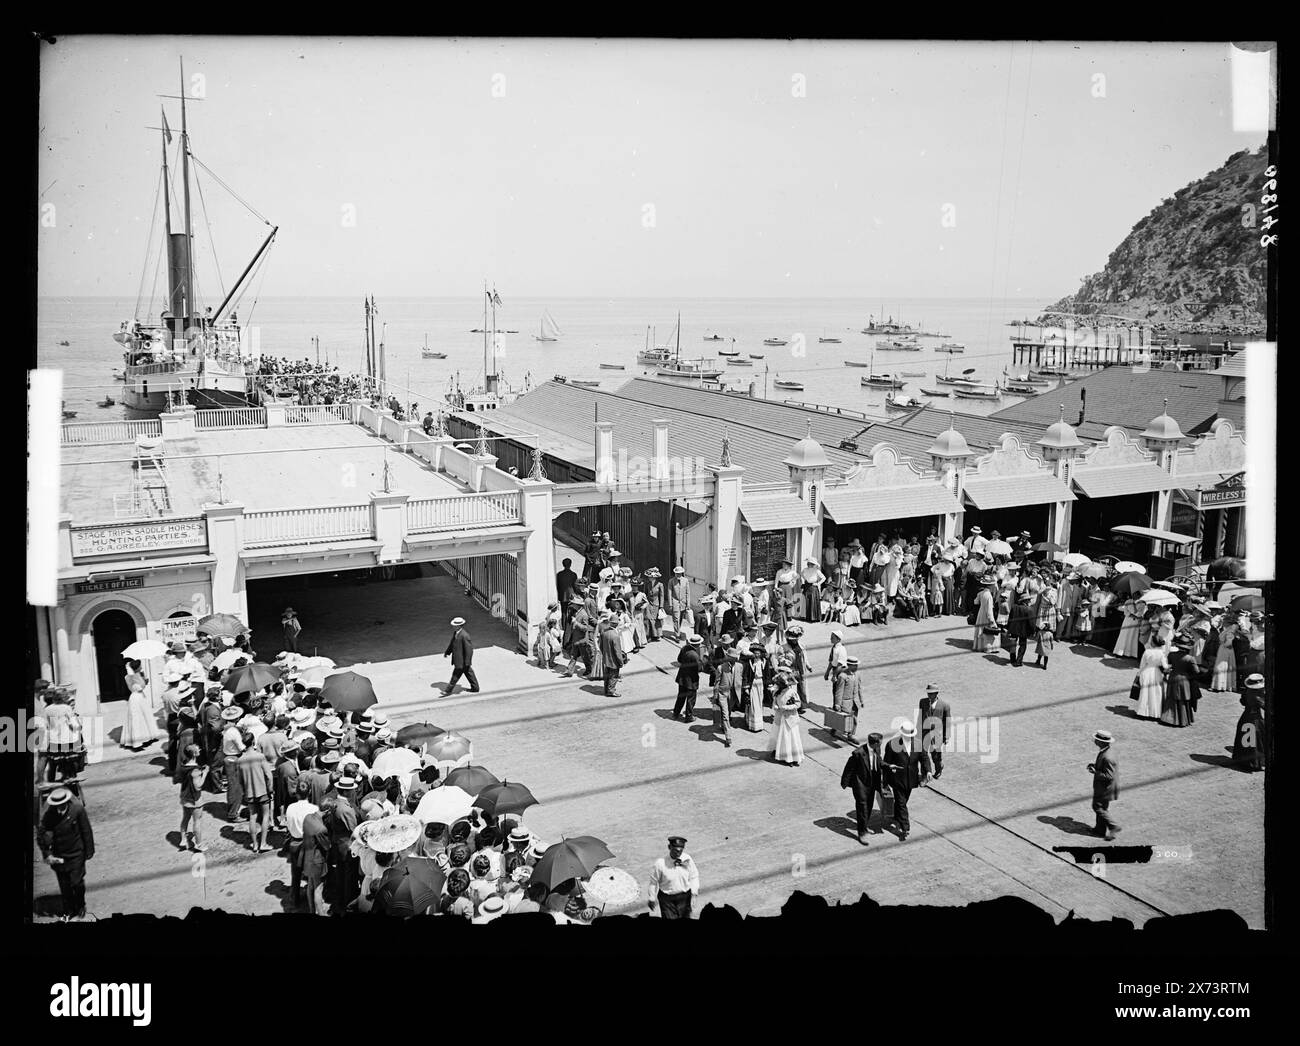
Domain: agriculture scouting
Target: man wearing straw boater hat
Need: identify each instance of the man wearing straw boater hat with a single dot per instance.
(67, 843)
(1105, 785)
(688, 678)
(461, 651)
(679, 601)
(907, 766)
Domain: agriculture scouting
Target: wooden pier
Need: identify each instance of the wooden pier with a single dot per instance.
(1092, 348)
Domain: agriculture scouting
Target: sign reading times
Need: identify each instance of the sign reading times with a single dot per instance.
(184, 627)
(138, 537)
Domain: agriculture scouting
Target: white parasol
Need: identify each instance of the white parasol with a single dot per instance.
(444, 805)
(395, 762)
(998, 548)
(145, 650)
(1158, 597)
(1124, 566)
(1073, 560)
(613, 890)
(226, 658)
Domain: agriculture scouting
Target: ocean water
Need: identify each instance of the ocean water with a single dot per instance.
(593, 331)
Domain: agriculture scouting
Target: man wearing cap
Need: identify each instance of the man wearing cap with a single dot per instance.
(679, 601)
(933, 716)
(285, 774)
(612, 656)
(1248, 742)
(905, 769)
(837, 659)
(689, 664)
(580, 641)
(461, 651)
(67, 843)
(847, 700)
(674, 881)
(864, 775)
(1105, 785)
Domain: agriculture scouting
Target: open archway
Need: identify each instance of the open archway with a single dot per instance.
(113, 631)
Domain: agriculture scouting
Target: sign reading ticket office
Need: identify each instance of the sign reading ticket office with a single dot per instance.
(139, 537)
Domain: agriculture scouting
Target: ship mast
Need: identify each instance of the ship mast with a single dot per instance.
(167, 198)
(189, 232)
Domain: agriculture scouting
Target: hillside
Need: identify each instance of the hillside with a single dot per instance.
(1189, 265)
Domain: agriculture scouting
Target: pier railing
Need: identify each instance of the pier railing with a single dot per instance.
(463, 512)
(307, 525)
(319, 414)
(230, 418)
(94, 432)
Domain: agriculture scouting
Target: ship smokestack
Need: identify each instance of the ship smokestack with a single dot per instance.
(1083, 405)
(178, 263)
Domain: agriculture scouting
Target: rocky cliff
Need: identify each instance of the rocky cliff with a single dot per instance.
(1190, 264)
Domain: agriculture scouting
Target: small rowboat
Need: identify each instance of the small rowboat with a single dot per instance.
(64, 343)
(1021, 388)
(713, 337)
(107, 401)
(757, 356)
(893, 402)
(828, 341)
(728, 352)
(788, 385)
(977, 392)
(774, 341)
(934, 392)
(69, 413)
(952, 347)
(856, 363)
(1049, 373)
(430, 355)
(740, 363)
(611, 366)
(943, 379)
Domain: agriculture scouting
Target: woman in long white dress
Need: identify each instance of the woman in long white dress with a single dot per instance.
(893, 570)
(1224, 675)
(786, 744)
(640, 601)
(1151, 680)
(984, 616)
(1126, 645)
(140, 728)
(852, 613)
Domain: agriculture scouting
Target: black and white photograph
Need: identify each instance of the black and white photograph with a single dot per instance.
(616, 480)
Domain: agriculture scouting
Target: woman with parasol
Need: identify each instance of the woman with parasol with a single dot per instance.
(1151, 680)
(1126, 644)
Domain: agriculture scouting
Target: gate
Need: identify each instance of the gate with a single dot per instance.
(493, 583)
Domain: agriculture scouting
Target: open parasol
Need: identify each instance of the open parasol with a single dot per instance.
(348, 692)
(145, 650)
(613, 890)
(1074, 560)
(504, 798)
(943, 568)
(395, 762)
(448, 748)
(473, 779)
(1247, 601)
(1047, 546)
(251, 678)
(1126, 566)
(312, 677)
(1097, 570)
(411, 887)
(1159, 597)
(576, 858)
(227, 658)
(392, 834)
(444, 805)
(222, 625)
(998, 548)
(1130, 584)
(418, 733)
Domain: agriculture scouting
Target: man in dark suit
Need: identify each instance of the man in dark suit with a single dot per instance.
(905, 769)
(67, 843)
(461, 652)
(688, 678)
(1105, 785)
(864, 774)
(1020, 627)
(611, 653)
(933, 716)
(565, 581)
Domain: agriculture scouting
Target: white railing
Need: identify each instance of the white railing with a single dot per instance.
(463, 512)
(139, 370)
(318, 414)
(306, 525)
(109, 431)
(230, 418)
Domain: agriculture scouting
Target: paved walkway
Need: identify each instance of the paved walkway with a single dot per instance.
(623, 770)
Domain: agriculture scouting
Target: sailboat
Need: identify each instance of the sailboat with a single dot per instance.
(881, 381)
(823, 340)
(494, 390)
(653, 357)
(548, 329)
(430, 355)
(190, 353)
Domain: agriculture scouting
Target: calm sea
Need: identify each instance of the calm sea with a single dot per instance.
(593, 331)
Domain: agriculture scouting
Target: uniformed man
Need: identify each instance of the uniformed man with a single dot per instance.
(67, 843)
(674, 881)
(932, 716)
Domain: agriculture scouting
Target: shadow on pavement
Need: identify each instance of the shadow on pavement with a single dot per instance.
(1224, 761)
(845, 826)
(1123, 711)
(1068, 825)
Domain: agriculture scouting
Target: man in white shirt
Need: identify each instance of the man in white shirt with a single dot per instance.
(838, 660)
(975, 543)
(294, 815)
(674, 881)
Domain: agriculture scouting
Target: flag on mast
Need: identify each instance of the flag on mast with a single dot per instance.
(496, 298)
(167, 133)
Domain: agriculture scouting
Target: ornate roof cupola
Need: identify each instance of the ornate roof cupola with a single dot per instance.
(1162, 437)
(1061, 445)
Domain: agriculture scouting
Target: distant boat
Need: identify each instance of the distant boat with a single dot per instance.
(899, 345)
(757, 356)
(893, 402)
(856, 363)
(912, 373)
(740, 363)
(611, 366)
(1049, 372)
(887, 327)
(714, 337)
(828, 341)
(585, 384)
(65, 343)
(774, 341)
(934, 392)
(951, 347)
(69, 413)
(977, 392)
(429, 354)
(1021, 388)
(548, 329)
(788, 385)
(119, 375)
(728, 352)
(573, 381)
(107, 401)
(883, 381)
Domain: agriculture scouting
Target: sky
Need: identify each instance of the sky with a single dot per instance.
(611, 168)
